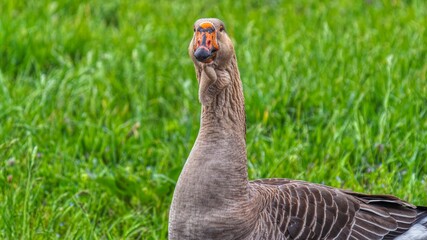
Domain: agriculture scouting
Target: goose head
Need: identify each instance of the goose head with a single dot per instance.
(210, 44)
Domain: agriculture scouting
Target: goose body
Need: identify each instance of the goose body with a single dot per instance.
(214, 199)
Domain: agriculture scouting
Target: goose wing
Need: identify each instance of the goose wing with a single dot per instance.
(300, 210)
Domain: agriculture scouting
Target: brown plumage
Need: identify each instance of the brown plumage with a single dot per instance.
(213, 198)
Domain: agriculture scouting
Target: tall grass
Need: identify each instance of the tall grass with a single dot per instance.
(99, 107)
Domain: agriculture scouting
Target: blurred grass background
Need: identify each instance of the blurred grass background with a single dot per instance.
(99, 109)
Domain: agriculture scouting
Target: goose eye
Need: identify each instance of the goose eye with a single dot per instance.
(221, 28)
(194, 29)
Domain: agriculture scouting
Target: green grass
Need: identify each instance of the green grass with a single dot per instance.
(99, 105)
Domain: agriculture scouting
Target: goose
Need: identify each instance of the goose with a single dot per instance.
(213, 198)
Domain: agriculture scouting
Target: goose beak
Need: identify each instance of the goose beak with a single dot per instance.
(205, 42)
